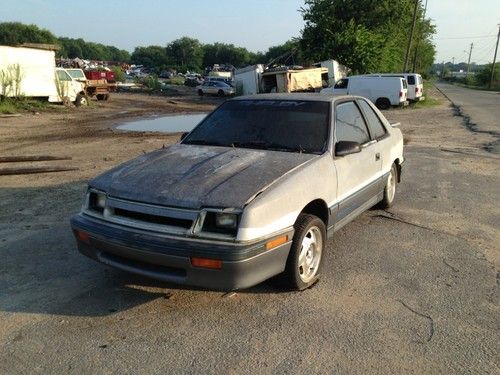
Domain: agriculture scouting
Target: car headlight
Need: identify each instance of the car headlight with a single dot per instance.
(97, 201)
(219, 222)
(225, 220)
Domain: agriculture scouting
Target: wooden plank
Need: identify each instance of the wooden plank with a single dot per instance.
(33, 170)
(24, 158)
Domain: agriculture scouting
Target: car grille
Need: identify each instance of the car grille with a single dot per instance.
(150, 217)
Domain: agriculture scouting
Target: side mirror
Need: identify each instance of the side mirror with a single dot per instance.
(344, 148)
(184, 135)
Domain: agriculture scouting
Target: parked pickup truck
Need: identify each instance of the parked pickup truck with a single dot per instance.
(253, 191)
(100, 88)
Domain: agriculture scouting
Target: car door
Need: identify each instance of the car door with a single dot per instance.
(358, 174)
(379, 134)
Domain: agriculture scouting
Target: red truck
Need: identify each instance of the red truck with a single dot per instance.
(97, 83)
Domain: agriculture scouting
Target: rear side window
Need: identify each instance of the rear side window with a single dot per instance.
(376, 127)
(341, 84)
(405, 85)
(349, 124)
(419, 80)
(411, 80)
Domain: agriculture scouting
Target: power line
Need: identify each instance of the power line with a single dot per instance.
(466, 37)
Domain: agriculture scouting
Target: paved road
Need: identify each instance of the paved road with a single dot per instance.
(483, 108)
(413, 290)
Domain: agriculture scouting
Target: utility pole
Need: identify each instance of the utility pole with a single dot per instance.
(411, 36)
(494, 60)
(468, 62)
(453, 59)
(414, 69)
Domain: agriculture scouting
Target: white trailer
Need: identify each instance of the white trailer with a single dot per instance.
(31, 72)
(249, 79)
(336, 71)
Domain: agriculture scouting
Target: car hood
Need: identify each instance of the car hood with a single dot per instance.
(192, 176)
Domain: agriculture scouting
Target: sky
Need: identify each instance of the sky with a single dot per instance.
(256, 24)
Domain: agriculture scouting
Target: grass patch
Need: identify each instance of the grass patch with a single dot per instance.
(429, 101)
(176, 81)
(7, 107)
(11, 106)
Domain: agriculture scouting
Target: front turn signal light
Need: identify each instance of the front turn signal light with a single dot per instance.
(276, 242)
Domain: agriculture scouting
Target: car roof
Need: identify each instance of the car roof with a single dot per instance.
(313, 97)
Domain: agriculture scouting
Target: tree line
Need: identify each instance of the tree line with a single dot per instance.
(365, 35)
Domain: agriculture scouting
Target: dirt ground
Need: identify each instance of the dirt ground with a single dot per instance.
(411, 290)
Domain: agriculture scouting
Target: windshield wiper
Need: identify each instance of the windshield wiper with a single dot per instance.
(279, 147)
(203, 142)
(253, 144)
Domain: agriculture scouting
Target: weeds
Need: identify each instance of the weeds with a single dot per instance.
(179, 81)
(7, 107)
(10, 81)
(151, 82)
(16, 105)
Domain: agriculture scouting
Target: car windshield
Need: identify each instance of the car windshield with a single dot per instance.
(76, 73)
(279, 125)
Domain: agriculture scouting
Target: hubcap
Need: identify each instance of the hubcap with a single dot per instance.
(391, 185)
(310, 254)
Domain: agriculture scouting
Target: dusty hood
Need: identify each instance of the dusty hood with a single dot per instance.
(198, 176)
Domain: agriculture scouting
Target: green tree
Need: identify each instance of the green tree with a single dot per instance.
(220, 53)
(483, 75)
(151, 57)
(366, 35)
(186, 53)
(290, 53)
(15, 33)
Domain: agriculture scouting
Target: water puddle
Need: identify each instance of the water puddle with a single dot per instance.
(165, 124)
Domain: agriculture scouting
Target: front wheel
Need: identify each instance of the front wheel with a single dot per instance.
(221, 93)
(200, 92)
(307, 252)
(390, 188)
(81, 100)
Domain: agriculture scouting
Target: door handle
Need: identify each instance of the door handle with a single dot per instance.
(377, 156)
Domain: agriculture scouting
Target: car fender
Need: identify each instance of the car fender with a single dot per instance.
(278, 207)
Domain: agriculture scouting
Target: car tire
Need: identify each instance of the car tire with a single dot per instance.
(200, 92)
(81, 100)
(383, 103)
(221, 93)
(306, 254)
(390, 188)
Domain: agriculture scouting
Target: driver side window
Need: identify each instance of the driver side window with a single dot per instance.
(349, 124)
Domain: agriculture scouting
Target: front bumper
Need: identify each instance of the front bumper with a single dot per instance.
(168, 258)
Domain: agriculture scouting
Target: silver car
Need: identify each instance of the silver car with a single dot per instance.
(215, 88)
(253, 191)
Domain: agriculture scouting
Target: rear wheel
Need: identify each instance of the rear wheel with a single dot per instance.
(200, 92)
(383, 103)
(390, 188)
(307, 252)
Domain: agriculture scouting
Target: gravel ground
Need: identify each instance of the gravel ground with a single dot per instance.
(410, 290)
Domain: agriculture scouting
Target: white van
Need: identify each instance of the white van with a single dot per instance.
(414, 81)
(382, 91)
